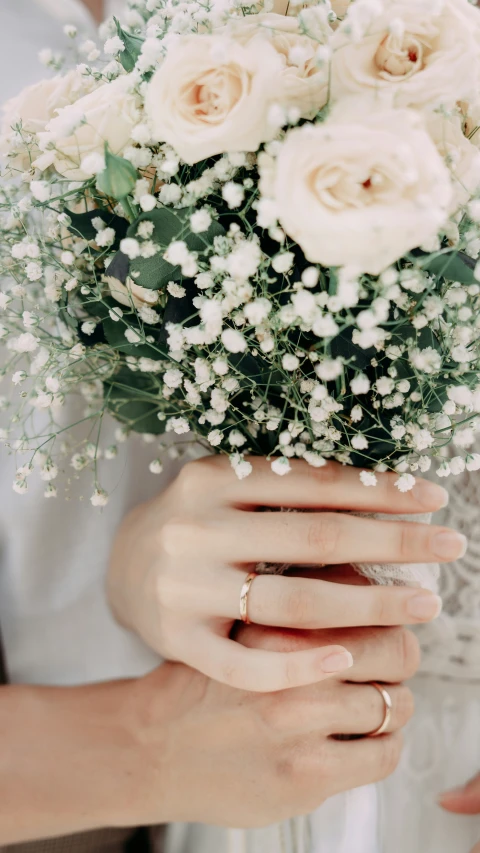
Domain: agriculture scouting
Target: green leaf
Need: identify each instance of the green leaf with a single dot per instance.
(81, 223)
(115, 335)
(119, 177)
(168, 225)
(342, 346)
(126, 395)
(132, 47)
(99, 309)
(453, 266)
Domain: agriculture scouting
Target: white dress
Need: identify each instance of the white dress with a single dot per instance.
(58, 630)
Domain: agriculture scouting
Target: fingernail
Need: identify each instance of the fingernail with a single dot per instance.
(337, 661)
(424, 606)
(430, 495)
(449, 545)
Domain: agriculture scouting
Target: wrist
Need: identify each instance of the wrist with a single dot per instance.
(67, 758)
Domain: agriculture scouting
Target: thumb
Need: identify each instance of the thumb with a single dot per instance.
(465, 800)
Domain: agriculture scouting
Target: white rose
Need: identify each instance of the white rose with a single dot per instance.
(302, 84)
(461, 157)
(106, 115)
(421, 55)
(130, 293)
(361, 190)
(33, 108)
(212, 95)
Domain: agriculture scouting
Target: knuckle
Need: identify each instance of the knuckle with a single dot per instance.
(322, 534)
(327, 475)
(390, 752)
(405, 540)
(190, 478)
(412, 540)
(199, 476)
(408, 652)
(178, 536)
(380, 608)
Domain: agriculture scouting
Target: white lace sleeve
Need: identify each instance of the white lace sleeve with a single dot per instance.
(451, 644)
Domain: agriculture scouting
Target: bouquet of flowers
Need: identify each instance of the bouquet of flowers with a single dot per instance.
(254, 227)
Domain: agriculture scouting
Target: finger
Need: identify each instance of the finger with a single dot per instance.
(342, 709)
(476, 849)
(327, 537)
(360, 709)
(335, 486)
(261, 671)
(464, 800)
(288, 602)
(362, 762)
(379, 654)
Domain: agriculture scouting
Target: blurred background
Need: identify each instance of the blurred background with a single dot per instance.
(28, 26)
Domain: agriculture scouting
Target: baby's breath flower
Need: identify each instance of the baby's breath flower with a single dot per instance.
(281, 466)
(405, 482)
(177, 425)
(99, 498)
(113, 46)
(368, 478)
(241, 466)
(233, 341)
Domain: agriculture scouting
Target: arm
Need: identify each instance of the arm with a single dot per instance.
(65, 759)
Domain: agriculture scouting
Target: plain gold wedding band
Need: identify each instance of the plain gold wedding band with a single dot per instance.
(387, 699)
(244, 597)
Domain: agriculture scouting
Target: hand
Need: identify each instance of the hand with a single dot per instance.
(175, 745)
(179, 562)
(247, 759)
(464, 800)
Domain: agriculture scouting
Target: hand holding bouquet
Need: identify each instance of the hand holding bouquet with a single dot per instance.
(256, 229)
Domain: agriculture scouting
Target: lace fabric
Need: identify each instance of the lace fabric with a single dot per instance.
(451, 644)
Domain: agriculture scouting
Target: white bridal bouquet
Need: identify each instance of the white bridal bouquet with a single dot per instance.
(256, 227)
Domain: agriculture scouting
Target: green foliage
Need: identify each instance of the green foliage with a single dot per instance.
(155, 273)
(82, 224)
(453, 266)
(115, 335)
(119, 177)
(131, 398)
(132, 47)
